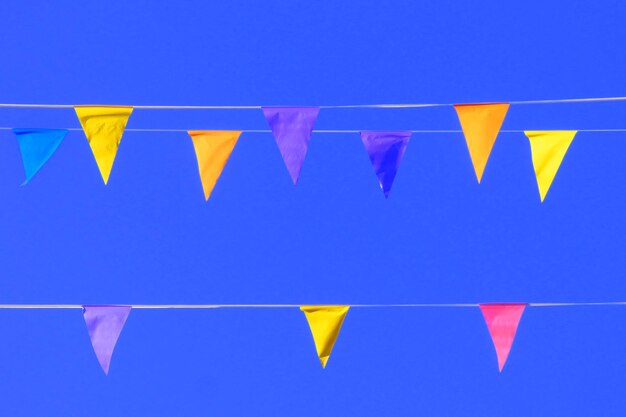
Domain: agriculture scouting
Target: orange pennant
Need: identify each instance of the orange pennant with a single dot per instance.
(481, 124)
(213, 147)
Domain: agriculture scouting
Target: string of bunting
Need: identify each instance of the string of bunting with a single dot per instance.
(292, 128)
(105, 322)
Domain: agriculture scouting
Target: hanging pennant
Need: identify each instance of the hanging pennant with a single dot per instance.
(36, 147)
(213, 147)
(385, 149)
(292, 128)
(548, 148)
(502, 321)
(481, 124)
(325, 323)
(105, 323)
(104, 127)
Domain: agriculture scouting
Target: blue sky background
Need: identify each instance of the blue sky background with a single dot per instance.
(149, 237)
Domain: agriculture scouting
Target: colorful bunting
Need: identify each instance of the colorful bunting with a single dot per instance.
(481, 124)
(548, 148)
(502, 321)
(213, 147)
(36, 147)
(104, 127)
(292, 128)
(325, 323)
(385, 149)
(105, 323)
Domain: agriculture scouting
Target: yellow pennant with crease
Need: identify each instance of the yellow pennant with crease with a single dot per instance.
(213, 147)
(325, 323)
(548, 148)
(103, 126)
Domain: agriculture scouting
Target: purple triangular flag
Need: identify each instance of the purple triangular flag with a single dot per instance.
(386, 149)
(292, 127)
(105, 323)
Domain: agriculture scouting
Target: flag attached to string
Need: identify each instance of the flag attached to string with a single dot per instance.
(104, 127)
(502, 321)
(548, 148)
(385, 149)
(325, 323)
(292, 128)
(105, 323)
(481, 124)
(213, 147)
(36, 147)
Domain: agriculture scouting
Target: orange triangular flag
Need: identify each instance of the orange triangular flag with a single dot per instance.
(325, 323)
(213, 147)
(548, 148)
(481, 124)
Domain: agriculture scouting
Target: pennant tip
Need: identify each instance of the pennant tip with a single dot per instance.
(295, 176)
(105, 367)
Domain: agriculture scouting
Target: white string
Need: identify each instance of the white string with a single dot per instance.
(348, 106)
(76, 129)
(215, 306)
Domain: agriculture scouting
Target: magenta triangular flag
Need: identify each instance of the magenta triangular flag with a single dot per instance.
(502, 321)
(292, 128)
(385, 149)
(105, 323)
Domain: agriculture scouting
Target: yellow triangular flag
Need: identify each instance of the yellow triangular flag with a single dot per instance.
(481, 124)
(103, 127)
(325, 323)
(548, 148)
(213, 147)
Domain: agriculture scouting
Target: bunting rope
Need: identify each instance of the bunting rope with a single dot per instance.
(292, 127)
(215, 306)
(347, 106)
(78, 129)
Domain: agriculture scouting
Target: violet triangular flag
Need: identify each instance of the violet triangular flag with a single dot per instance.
(37, 146)
(385, 149)
(292, 128)
(105, 323)
(502, 321)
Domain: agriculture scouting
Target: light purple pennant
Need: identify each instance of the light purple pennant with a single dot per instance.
(105, 323)
(385, 149)
(292, 128)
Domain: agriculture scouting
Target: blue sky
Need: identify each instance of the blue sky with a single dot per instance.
(149, 236)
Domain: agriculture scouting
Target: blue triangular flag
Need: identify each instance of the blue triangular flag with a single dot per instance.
(385, 149)
(37, 146)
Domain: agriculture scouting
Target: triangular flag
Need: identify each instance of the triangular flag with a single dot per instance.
(105, 323)
(502, 321)
(104, 127)
(385, 150)
(481, 124)
(548, 148)
(325, 323)
(292, 128)
(37, 146)
(213, 147)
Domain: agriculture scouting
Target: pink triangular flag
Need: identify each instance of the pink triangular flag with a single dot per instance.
(105, 323)
(502, 321)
